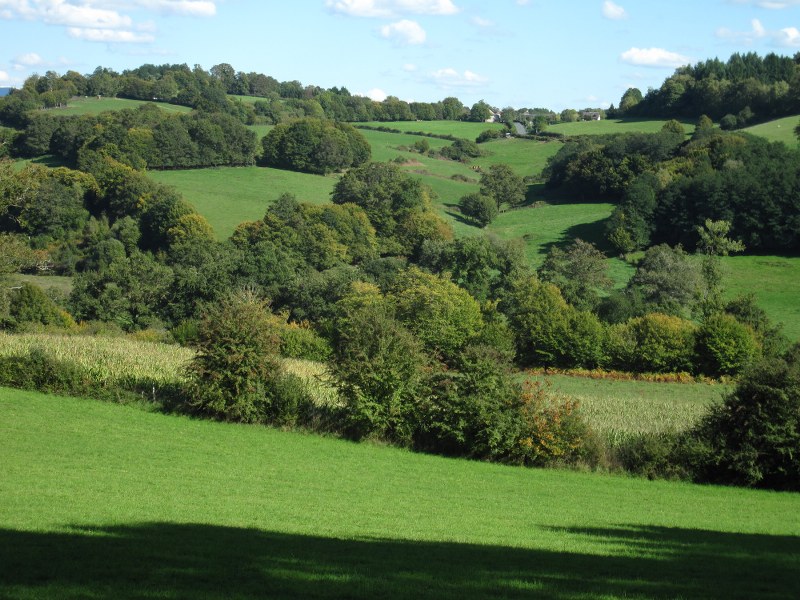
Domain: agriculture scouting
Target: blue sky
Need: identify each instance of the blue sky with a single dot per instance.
(543, 53)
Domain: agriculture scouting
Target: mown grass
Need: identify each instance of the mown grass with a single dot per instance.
(779, 130)
(101, 500)
(91, 105)
(228, 196)
(607, 126)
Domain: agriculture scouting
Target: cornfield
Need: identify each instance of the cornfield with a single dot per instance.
(106, 359)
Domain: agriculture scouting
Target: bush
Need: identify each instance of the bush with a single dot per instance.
(482, 209)
(653, 455)
(300, 341)
(753, 437)
(724, 346)
(379, 370)
(237, 362)
(654, 343)
(30, 304)
(474, 410)
(552, 431)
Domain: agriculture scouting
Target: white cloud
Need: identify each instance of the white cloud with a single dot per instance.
(449, 77)
(391, 8)
(654, 57)
(481, 22)
(404, 32)
(102, 20)
(4, 78)
(190, 8)
(109, 35)
(770, 4)
(29, 60)
(409, 68)
(523, 2)
(613, 11)
(376, 94)
(788, 37)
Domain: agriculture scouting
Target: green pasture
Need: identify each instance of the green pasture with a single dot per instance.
(461, 129)
(260, 130)
(62, 285)
(775, 281)
(227, 196)
(91, 105)
(607, 126)
(101, 500)
(779, 130)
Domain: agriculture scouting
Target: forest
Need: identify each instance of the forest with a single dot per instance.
(423, 331)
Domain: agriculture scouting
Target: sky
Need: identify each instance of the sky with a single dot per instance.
(522, 53)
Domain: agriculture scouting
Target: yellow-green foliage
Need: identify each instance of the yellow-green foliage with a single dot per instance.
(106, 359)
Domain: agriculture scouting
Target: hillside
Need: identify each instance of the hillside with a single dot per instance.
(153, 502)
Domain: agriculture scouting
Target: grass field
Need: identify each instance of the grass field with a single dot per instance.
(56, 282)
(100, 500)
(779, 130)
(775, 281)
(90, 105)
(461, 129)
(227, 196)
(607, 126)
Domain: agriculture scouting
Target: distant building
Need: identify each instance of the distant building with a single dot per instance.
(495, 117)
(590, 115)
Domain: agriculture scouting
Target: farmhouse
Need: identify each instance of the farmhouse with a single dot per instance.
(590, 115)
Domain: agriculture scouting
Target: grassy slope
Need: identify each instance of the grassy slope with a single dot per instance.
(779, 130)
(615, 126)
(93, 106)
(99, 500)
(227, 196)
(462, 129)
(774, 280)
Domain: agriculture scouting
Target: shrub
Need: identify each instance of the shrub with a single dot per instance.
(378, 368)
(474, 410)
(30, 304)
(552, 429)
(724, 346)
(653, 343)
(752, 437)
(237, 362)
(301, 341)
(482, 209)
(653, 455)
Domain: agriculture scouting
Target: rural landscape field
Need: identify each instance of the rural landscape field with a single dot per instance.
(265, 338)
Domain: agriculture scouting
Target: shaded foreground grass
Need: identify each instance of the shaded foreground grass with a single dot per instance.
(99, 500)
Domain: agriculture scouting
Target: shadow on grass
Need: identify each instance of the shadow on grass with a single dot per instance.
(193, 561)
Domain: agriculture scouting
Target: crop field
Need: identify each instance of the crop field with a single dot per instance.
(619, 407)
(607, 126)
(90, 105)
(101, 500)
(779, 130)
(227, 196)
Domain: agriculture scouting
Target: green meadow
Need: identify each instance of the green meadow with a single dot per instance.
(607, 126)
(91, 105)
(227, 196)
(102, 500)
(779, 130)
(461, 129)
